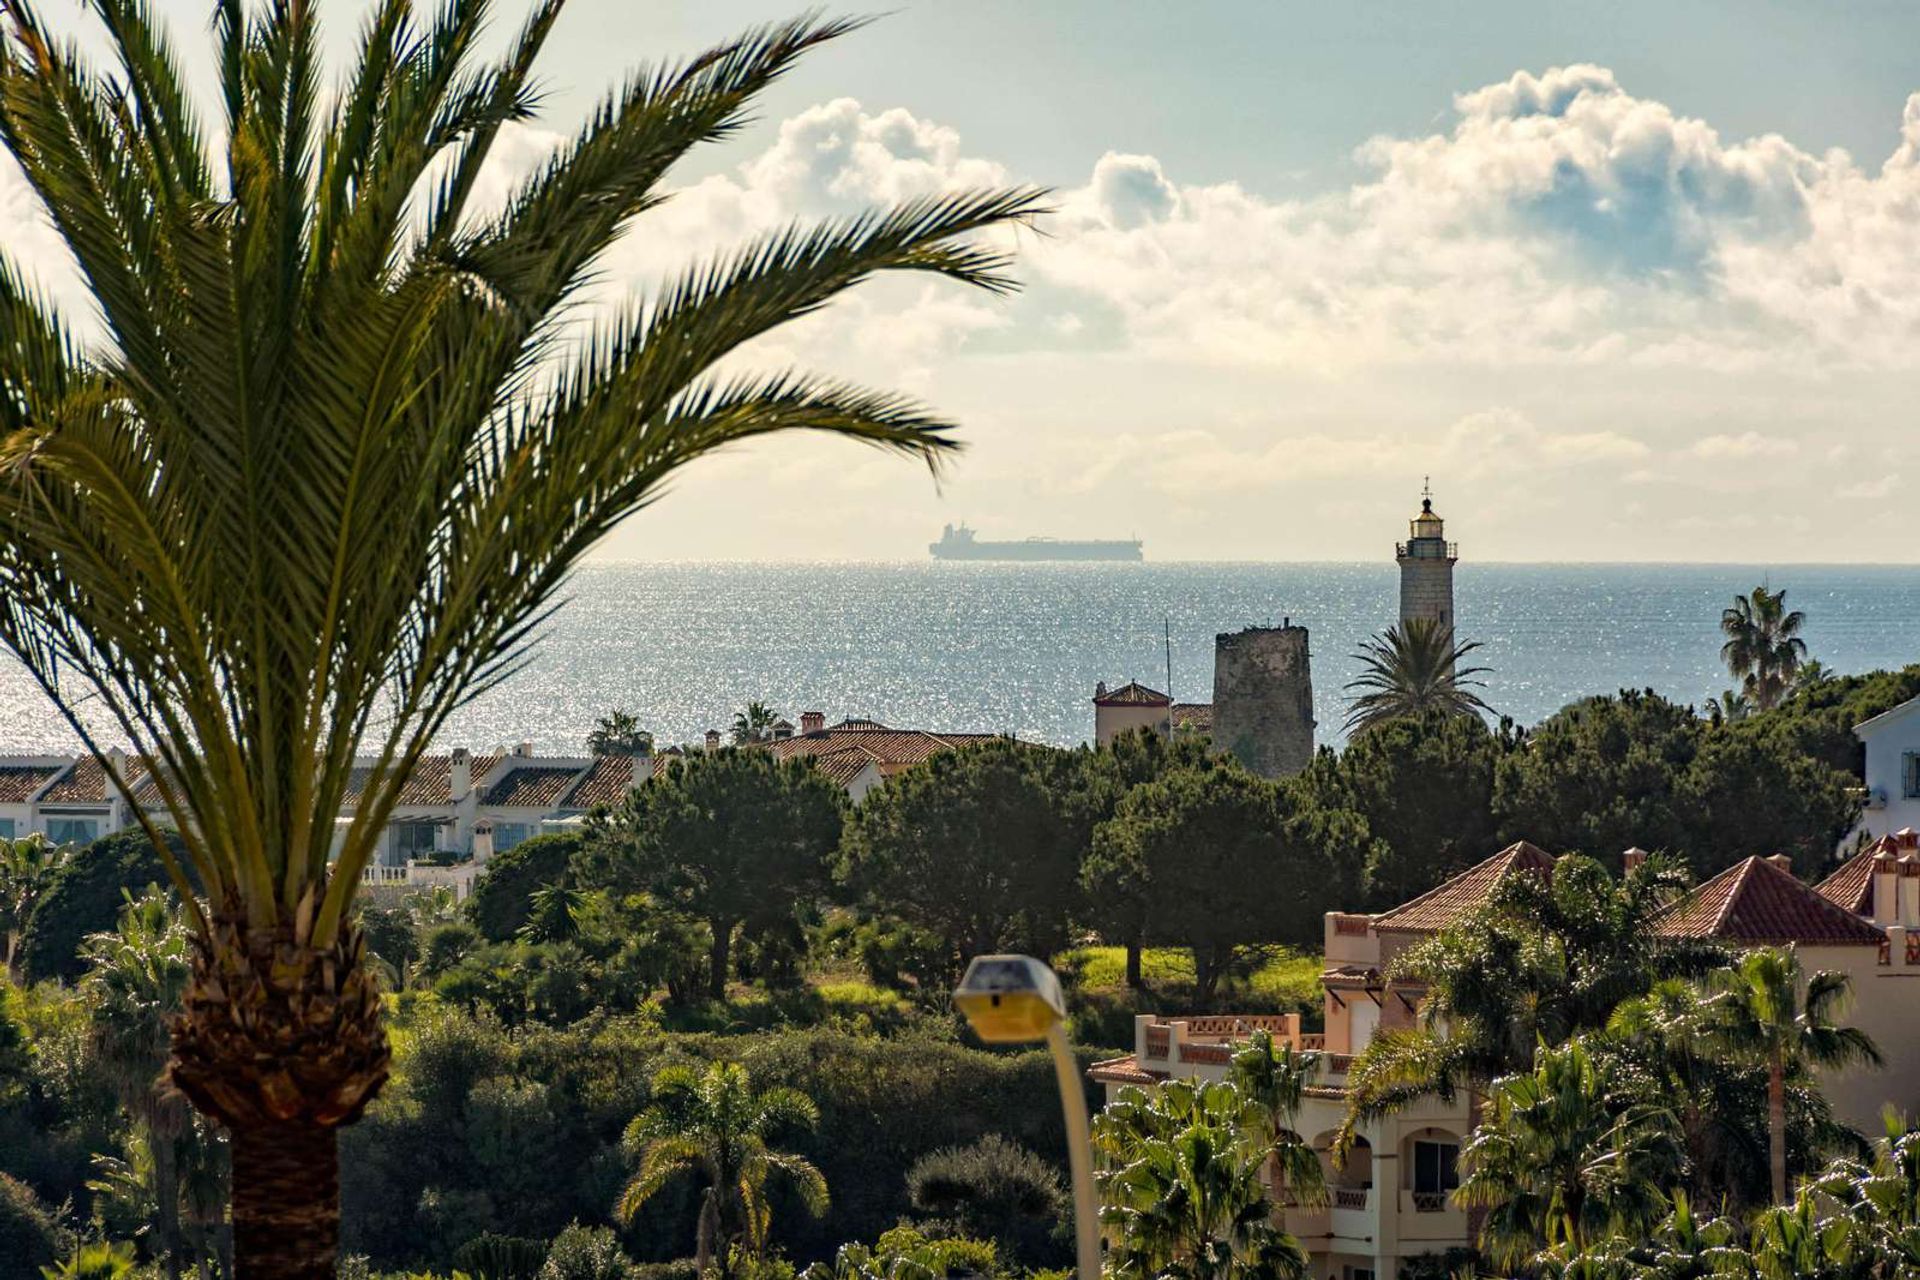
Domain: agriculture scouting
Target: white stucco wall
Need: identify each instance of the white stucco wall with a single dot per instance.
(1889, 739)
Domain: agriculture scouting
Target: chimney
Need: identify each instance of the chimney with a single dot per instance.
(460, 778)
(1100, 689)
(1910, 889)
(813, 722)
(1784, 861)
(524, 750)
(1886, 883)
(483, 840)
(782, 730)
(639, 769)
(1632, 860)
(1907, 839)
(713, 740)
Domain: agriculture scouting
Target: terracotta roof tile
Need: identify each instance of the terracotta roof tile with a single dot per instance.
(885, 746)
(86, 782)
(1131, 694)
(1193, 715)
(431, 783)
(1758, 904)
(1851, 886)
(19, 782)
(1440, 906)
(1123, 1071)
(605, 784)
(535, 787)
(843, 766)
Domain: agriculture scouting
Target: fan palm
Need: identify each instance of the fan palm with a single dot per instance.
(1181, 1193)
(618, 733)
(136, 979)
(27, 864)
(1565, 1154)
(1765, 1010)
(754, 723)
(1272, 1084)
(1414, 670)
(714, 1124)
(338, 444)
(1763, 649)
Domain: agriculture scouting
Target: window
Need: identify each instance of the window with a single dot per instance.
(1910, 775)
(73, 830)
(1436, 1167)
(6, 828)
(1358, 1273)
(508, 834)
(414, 839)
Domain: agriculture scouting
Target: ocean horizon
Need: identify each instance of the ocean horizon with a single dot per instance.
(1018, 647)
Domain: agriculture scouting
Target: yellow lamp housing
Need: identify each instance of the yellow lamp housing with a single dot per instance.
(1010, 999)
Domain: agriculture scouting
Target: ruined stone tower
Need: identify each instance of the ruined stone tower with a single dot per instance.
(1426, 568)
(1263, 698)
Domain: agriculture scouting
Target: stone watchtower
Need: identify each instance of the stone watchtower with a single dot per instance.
(1263, 698)
(1426, 568)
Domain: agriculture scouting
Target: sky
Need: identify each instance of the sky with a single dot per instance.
(1629, 282)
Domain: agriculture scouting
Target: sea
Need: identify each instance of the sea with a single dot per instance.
(1018, 648)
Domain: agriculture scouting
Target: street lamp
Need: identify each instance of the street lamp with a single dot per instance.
(1017, 1000)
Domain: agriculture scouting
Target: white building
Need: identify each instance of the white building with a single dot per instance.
(1892, 740)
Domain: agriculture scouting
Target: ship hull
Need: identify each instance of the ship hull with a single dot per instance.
(1126, 551)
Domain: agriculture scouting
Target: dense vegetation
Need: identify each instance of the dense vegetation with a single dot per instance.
(535, 1022)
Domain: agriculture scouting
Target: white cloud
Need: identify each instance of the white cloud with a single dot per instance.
(1748, 444)
(1870, 490)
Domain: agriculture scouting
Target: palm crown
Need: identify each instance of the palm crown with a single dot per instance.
(1412, 670)
(1763, 649)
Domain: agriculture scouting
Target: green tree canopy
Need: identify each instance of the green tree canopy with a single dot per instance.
(618, 733)
(1225, 861)
(735, 838)
(970, 846)
(84, 895)
(1425, 787)
(502, 897)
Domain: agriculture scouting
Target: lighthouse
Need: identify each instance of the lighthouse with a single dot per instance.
(1426, 567)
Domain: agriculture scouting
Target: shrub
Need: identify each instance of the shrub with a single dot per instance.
(993, 1189)
(101, 1260)
(29, 1236)
(446, 945)
(503, 895)
(586, 1253)
(496, 1257)
(84, 897)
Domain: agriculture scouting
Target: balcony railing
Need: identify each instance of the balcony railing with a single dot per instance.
(1350, 1197)
(1158, 1039)
(1429, 1202)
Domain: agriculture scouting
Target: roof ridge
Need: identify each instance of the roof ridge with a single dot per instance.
(1741, 870)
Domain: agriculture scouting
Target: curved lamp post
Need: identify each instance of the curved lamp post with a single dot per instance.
(1015, 1000)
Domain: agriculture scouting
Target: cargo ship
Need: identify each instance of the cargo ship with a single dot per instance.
(959, 543)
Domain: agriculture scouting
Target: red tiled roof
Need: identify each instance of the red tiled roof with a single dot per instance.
(1851, 886)
(842, 767)
(1193, 715)
(1123, 1071)
(86, 782)
(431, 783)
(1758, 904)
(605, 784)
(19, 782)
(884, 746)
(536, 787)
(1440, 906)
(1131, 694)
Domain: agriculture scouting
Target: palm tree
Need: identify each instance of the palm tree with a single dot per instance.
(1272, 1084)
(1181, 1193)
(1565, 1154)
(136, 979)
(1765, 1010)
(753, 724)
(1414, 670)
(317, 482)
(27, 864)
(716, 1126)
(1763, 649)
(619, 734)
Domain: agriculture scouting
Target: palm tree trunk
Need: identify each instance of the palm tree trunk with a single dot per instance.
(717, 958)
(704, 1232)
(1777, 1127)
(286, 1202)
(166, 1194)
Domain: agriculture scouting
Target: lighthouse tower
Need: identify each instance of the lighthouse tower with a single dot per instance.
(1426, 567)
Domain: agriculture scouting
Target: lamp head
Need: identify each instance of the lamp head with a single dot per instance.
(1010, 999)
